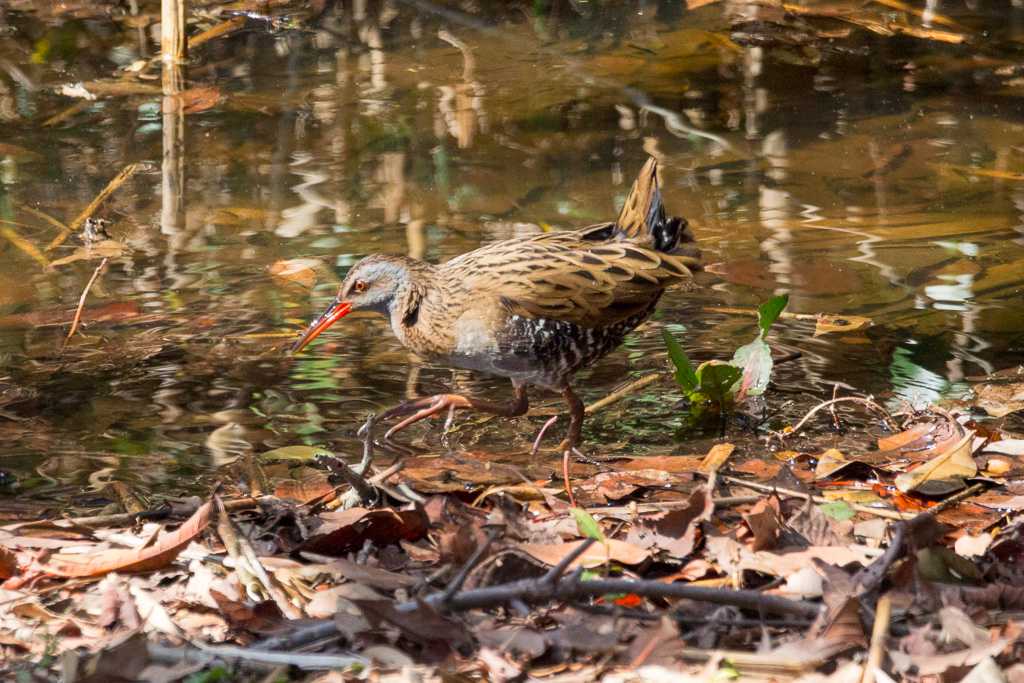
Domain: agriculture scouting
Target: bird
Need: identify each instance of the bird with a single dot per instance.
(533, 309)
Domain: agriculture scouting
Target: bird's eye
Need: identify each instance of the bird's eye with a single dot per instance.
(359, 287)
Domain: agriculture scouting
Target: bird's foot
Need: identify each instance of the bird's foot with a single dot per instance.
(422, 409)
(566, 447)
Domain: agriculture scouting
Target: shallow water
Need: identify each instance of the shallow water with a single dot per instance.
(863, 175)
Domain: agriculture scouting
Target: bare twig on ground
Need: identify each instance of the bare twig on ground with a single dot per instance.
(81, 302)
(568, 589)
(866, 402)
(870, 578)
(368, 495)
(455, 585)
(879, 633)
(767, 488)
(556, 572)
(213, 654)
(351, 497)
(161, 512)
(118, 180)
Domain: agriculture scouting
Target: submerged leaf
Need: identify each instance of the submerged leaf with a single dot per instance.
(827, 323)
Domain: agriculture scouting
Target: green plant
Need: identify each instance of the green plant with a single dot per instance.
(721, 383)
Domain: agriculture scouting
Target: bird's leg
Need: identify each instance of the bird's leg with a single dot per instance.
(432, 405)
(572, 438)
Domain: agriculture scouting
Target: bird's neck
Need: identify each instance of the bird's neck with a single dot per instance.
(418, 277)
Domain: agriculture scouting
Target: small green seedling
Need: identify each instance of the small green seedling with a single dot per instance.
(720, 383)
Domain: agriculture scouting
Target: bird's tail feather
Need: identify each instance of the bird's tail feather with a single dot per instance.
(643, 218)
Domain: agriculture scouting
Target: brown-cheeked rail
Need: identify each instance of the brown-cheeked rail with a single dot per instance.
(534, 309)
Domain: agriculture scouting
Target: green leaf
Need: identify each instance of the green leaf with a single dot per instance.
(686, 378)
(587, 525)
(769, 311)
(756, 360)
(716, 379)
(838, 510)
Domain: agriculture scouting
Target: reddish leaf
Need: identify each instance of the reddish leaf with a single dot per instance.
(148, 558)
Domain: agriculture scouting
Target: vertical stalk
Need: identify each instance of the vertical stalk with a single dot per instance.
(173, 47)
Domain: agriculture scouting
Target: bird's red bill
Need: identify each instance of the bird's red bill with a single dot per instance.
(337, 311)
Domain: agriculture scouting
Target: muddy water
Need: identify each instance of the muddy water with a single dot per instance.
(863, 174)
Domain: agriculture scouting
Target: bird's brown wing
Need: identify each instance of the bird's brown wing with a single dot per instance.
(561, 276)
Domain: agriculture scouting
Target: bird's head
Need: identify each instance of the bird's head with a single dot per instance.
(371, 285)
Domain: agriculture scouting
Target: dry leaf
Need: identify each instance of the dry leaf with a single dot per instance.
(1005, 447)
(299, 271)
(827, 323)
(717, 456)
(999, 400)
(147, 558)
(596, 555)
(765, 522)
(942, 474)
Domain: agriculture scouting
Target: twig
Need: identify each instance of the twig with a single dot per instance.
(866, 402)
(455, 585)
(161, 512)
(210, 654)
(12, 236)
(368, 495)
(556, 572)
(118, 180)
(623, 391)
(568, 589)
(216, 31)
(870, 578)
(878, 512)
(81, 302)
(879, 633)
(534, 591)
(351, 497)
(832, 408)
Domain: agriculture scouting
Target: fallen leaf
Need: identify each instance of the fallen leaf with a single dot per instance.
(973, 546)
(911, 438)
(765, 523)
(827, 323)
(1005, 447)
(595, 556)
(674, 532)
(298, 452)
(99, 250)
(193, 100)
(147, 558)
(673, 464)
(300, 271)
(833, 462)
(942, 474)
(716, 457)
(1000, 399)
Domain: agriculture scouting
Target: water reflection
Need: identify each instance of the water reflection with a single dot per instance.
(385, 127)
